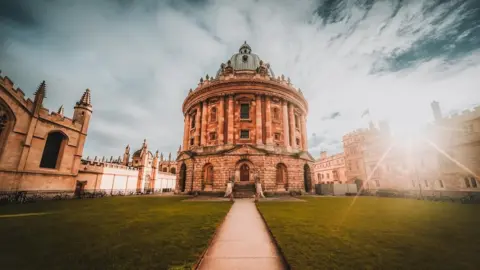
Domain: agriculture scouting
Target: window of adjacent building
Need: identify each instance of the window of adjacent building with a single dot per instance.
(328, 176)
(440, 183)
(276, 114)
(277, 136)
(474, 182)
(468, 128)
(213, 114)
(335, 175)
(244, 134)
(298, 142)
(426, 183)
(52, 152)
(377, 182)
(213, 136)
(244, 111)
(467, 182)
(318, 177)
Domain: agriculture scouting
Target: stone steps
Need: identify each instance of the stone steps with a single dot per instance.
(244, 190)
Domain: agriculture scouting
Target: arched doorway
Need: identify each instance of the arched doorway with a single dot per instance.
(281, 175)
(244, 173)
(183, 177)
(208, 177)
(307, 178)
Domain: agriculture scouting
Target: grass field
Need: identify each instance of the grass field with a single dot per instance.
(376, 233)
(107, 233)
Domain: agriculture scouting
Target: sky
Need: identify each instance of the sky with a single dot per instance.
(140, 58)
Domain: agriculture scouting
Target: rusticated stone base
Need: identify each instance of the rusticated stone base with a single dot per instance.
(261, 163)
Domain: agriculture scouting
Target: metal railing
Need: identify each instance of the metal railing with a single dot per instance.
(30, 196)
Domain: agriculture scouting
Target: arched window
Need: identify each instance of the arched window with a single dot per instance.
(173, 170)
(6, 124)
(52, 153)
(165, 169)
(213, 114)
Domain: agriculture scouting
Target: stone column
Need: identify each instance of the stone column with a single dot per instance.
(230, 120)
(268, 121)
(203, 130)
(197, 126)
(221, 121)
(291, 117)
(286, 128)
(303, 130)
(258, 120)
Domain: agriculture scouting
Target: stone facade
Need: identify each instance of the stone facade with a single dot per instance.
(445, 157)
(40, 150)
(242, 124)
(330, 169)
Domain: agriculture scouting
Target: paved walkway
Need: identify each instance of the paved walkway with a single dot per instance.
(242, 242)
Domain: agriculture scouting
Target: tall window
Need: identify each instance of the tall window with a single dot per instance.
(213, 114)
(53, 150)
(213, 136)
(244, 111)
(440, 183)
(474, 182)
(297, 125)
(192, 123)
(467, 182)
(276, 114)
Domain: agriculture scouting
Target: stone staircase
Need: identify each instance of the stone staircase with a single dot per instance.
(244, 190)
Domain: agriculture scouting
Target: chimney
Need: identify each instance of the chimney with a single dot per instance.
(437, 113)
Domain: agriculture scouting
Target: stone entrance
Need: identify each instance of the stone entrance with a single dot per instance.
(244, 173)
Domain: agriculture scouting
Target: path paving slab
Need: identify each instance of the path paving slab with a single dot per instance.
(242, 242)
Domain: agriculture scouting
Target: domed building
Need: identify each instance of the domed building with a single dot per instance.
(244, 124)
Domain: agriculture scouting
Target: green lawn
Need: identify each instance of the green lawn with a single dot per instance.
(107, 233)
(377, 233)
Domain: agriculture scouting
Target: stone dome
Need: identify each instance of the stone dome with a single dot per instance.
(245, 60)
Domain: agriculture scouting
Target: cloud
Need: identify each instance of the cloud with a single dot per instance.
(331, 116)
(139, 58)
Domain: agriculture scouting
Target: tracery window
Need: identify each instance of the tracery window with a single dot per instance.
(53, 150)
(6, 122)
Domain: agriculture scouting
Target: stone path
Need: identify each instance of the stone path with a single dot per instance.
(242, 242)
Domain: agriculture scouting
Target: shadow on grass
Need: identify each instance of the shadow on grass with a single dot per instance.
(107, 233)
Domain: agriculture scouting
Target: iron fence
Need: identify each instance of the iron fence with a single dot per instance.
(30, 196)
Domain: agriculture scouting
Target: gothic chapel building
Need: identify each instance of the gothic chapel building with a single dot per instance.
(39, 150)
(244, 124)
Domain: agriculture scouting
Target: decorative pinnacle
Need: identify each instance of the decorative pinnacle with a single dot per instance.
(86, 99)
(41, 90)
(60, 110)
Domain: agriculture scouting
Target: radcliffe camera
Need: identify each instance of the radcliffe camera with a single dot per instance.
(239, 135)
